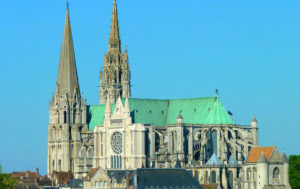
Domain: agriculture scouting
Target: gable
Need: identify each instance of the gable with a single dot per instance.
(275, 156)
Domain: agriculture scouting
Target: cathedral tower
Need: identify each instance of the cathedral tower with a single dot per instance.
(67, 109)
(115, 76)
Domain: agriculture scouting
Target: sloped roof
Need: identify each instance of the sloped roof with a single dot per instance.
(207, 110)
(284, 158)
(93, 171)
(256, 151)
(232, 160)
(210, 186)
(275, 156)
(169, 178)
(27, 174)
(262, 158)
(214, 160)
(63, 177)
(120, 175)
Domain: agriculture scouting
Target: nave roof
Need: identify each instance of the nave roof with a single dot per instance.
(206, 110)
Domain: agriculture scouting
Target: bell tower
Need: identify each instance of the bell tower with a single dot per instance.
(115, 75)
(67, 110)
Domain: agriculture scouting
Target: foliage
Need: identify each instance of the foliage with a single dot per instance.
(6, 182)
(294, 171)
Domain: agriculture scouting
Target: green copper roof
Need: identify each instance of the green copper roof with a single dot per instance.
(208, 110)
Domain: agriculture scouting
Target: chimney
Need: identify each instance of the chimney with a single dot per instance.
(27, 174)
(37, 172)
(127, 179)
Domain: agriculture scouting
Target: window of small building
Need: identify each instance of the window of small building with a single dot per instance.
(105, 184)
(213, 177)
(248, 174)
(101, 184)
(114, 183)
(96, 184)
(124, 183)
(276, 173)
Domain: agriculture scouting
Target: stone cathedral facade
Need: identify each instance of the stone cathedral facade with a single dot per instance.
(124, 133)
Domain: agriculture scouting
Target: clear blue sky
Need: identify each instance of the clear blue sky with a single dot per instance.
(249, 50)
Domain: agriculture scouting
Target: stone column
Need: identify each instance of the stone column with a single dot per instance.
(152, 142)
(190, 144)
(224, 178)
(105, 137)
(218, 144)
(124, 153)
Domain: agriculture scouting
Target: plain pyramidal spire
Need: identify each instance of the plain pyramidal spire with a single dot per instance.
(114, 36)
(67, 79)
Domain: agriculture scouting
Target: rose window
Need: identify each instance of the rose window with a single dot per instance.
(116, 142)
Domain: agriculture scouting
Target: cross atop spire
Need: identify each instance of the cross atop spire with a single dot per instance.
(67, 79)
(114, 36)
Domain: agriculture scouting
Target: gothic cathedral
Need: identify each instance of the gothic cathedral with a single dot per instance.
(124, 133)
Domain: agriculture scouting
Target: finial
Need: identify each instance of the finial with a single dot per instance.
(179, 116)
(67, 4)
(254, 119)
(125, 48)
(217, 93)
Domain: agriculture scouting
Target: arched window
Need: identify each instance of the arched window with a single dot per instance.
(114, 183)
(248, 174)
(105, 184)
(60, 133)
(101, 184)
(196, 175)
(214, 137)
(65, 117)
(229, 134)
(90, 152)
(96, 184)
(53, 133)
(74, 116)
(213, 177)
(254, 173)
(59, 165)
(276, 173)
(57, 117)
(157, 142)
(124, 183)
(120, 162)
(115, 163)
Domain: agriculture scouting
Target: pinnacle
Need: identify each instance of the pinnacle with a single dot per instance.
(254, 119)
(114, 36)
(108, 106)
(262, 158)
(127, 108)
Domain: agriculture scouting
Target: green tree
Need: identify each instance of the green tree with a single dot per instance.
(294, 171)
(6, 182)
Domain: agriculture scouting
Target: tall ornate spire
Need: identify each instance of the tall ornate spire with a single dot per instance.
(67, 110)
(67, 79)
(114, 36)
(115, 76)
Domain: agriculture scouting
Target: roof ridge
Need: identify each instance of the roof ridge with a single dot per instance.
(192, 98)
